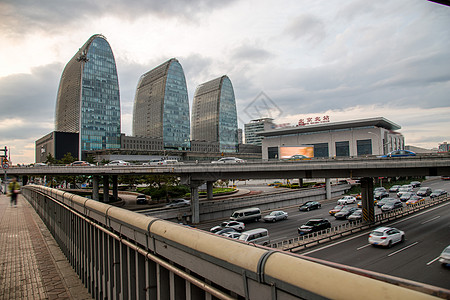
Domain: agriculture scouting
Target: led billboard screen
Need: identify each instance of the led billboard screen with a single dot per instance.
(289, 151)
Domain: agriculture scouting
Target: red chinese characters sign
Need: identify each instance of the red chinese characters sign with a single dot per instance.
(313, 120)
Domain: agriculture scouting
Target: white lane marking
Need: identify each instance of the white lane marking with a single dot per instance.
(356, 236)
(425, 222)
(404, 248)
(430, 262)
(363, 247)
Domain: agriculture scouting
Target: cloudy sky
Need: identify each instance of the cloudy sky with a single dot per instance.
(286, 59)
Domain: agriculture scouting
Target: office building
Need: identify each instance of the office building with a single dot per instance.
(373, 136)
(255, 126)
(57, 144)
(88, 100)
(214, 117)
(161, 106)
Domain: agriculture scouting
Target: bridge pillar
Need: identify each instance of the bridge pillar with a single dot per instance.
(209, 190)
(24, 180)
(105, 188)
(300, 182)
(195, 205)
(328, 188)
(367, 199)
(115, 187)
(95, 188)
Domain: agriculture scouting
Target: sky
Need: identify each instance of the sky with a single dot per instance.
(288, 60)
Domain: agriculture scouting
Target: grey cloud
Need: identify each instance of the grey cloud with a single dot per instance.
(307, 27)
(250, 53)
(20, 16)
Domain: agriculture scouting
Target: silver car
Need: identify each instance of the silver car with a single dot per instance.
(276, 215)
(444, 258)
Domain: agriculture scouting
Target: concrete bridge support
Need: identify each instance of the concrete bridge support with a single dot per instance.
(209, 189)
(95, 187)
(195, 206)
(105, 188)
(328, 188)
(367, 199)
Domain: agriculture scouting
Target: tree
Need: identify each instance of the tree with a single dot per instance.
(67, 159)
(50, 159)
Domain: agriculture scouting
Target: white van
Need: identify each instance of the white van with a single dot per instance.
(246, 215)
(258, 236)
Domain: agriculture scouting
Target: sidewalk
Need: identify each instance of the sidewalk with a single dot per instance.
(31, 264)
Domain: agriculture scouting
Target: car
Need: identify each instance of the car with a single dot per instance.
(415, 184)
(386, 236)
(238, 226)
(232, 235)
(445, 177)
(229, 160)
(391, 205)
(358, 196)
(276, 215)
(314, 225)
(379, 189)
(309, 205)
(438, 193)
(178, 203)
(346, 200)
(383, 201)
(394, 188)
(80, 163)
(336, 209)
(299, 157)
(359, 204)
(345, 212)
(355, 216)
(406, 196)
(170, 162)
(141, 199)
(118, 163)
(415, 200)
(399, 153)
(444, 258)
(424, 191)
(403, 190)
(219, 230)
(378, 195)
(40, 165)
(153, 162)
(275, 183)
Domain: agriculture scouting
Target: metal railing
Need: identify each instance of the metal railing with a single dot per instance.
(308, 240)
(119, 254)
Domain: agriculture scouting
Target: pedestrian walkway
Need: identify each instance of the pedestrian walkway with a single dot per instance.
(31, 264)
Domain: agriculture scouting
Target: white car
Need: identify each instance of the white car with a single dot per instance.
(275, 216)
(386, 236)
(444, 258)
(346, 200)
(233, 235)
(236, 225)
(229, 160)
(118, 163)
(170, 162)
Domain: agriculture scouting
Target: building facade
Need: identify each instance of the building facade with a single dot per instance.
(88, 97)
(374, 136)
(161, 106)
(140, 143)
(214, 116)
(57, 144)
(253, 127)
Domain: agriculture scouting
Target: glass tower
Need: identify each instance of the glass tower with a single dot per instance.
(88, 97)
(214, 116)
(161, 106)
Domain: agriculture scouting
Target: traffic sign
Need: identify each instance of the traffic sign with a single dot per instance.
(5, 165)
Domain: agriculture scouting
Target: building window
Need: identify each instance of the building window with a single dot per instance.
(272, 152)
(342, 148)
(363, 147)
(321, 150)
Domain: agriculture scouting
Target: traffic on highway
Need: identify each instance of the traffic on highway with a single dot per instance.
(413, 252)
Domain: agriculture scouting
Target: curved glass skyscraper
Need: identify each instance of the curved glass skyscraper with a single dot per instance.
(88, 96)
(214, 116)
(161, 106)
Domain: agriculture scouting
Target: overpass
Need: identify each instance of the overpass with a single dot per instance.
(196, 174)
(120, 254)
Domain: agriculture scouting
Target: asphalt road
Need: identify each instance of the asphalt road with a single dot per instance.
(427, 234)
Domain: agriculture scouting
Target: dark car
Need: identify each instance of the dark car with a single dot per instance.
(391, 205)
(394, 188)
(424, 191)
(438, 193)
(309, 205)
(378, 195)
(384, 201)
(345, 212)
(415, 183)
(314, 225)
(406, 196)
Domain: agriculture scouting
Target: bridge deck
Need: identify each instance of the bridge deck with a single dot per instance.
(31, 264)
